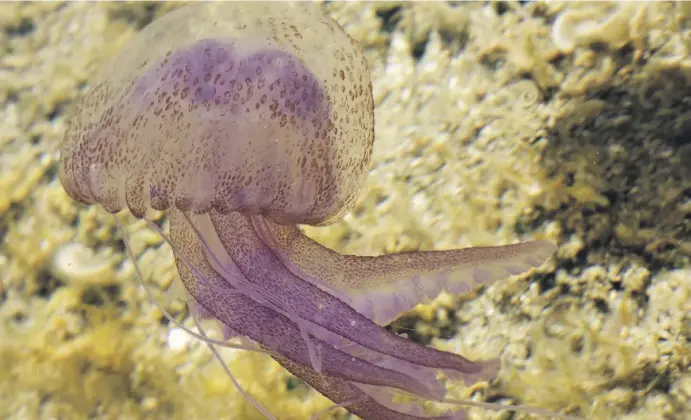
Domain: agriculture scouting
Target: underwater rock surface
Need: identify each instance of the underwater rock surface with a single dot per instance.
(492, 126)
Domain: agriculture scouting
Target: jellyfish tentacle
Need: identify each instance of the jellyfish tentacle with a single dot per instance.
(165, 312)
(237, 279)
(256, 260)
(202, 335)
(250, 318)
(230, 375)
(384, 287)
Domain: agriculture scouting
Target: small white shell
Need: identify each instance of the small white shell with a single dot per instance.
(74, 263)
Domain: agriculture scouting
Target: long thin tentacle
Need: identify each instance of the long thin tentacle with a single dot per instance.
(167, 314)
(203, 337)
(237, 385)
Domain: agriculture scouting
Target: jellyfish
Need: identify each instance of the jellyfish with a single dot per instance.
(240, 121)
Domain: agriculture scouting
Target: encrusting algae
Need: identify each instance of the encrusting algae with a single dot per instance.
(610, 187)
